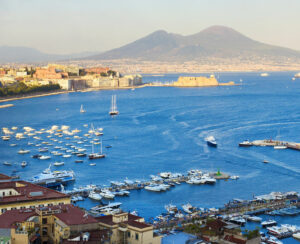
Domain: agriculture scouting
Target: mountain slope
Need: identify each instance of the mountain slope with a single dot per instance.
(213, 42)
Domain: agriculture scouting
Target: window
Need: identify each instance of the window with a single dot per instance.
(41, 205)
(45, 231)
(50, 204)
(61, 203)
(13, 208)
(44, 221)
(32, 206)
(136, 236)
(22, 207)
(3, 193)
(3, 210)
(128, 234)
(10, 193)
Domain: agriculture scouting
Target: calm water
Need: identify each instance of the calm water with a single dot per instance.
(163, 129)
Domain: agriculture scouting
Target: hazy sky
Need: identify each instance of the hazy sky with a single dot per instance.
(68, 26)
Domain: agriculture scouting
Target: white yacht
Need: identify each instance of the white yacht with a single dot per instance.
(58, 163)
(95, 196)
(107, 194)
(211, 141)
(44, 157)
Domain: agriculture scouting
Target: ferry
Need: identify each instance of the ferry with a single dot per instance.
(211, 141)
(50, 178)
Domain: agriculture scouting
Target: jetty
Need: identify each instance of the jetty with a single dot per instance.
(6, 105)
(275, 143)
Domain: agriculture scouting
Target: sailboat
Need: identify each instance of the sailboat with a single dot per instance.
(82, 109)
(94, 155)
(113, 109)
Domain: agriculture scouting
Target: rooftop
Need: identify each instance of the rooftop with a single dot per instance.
(68, 214)
(27, 192)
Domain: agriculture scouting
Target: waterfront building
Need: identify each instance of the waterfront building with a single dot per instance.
(97, 70)
(128, 228)
(57, 224)
(21, 195)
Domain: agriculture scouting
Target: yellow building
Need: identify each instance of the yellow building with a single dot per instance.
(128, 228)
(22, 195)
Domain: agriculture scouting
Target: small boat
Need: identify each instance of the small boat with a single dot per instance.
(58, 163)
(278, 147)
(43, 157)
(36, 156)
(234, 177)
(297, 236)
(82, 109)
(108, 146)
(13, 145)
(22, 151)
(24, 164)
(81, 154)
(297, 75)
(264, 74)
(245, 143)
(94, 155)
(113, 110)
(266, 161)
(78, 161)
(66, 155)
(92, 164)
(5, 138)
(211, 141)
(7, 163)
(44, 149)
(254, 218)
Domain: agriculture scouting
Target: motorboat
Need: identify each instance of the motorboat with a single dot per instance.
(254, 218)
(211, 141)
(273, 240)
(128, 182)
(7, 163)
(66, 155)
(187, 208)
(78, 161)
(238, 220)
(234, 177)
(92, 164)
(268, 223)
(24, 164)
(172, 209)
(107, 194)
(22, 151)
(58, 163)
(266, 161)
(44, 149)
(264, 74)
(36, 156)
(95, 196)
(44, 157)
(82, 109)
(165, 175)
(245, 143)
(5, 138)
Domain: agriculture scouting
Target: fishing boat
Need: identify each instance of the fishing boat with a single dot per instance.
(113, 109)
(24, 164)
(50, 178)
(211, 141)
(94, 155)
(58, 163)
(82, 109)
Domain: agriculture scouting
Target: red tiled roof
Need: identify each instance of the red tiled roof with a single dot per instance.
(4, 177)
(25, 192)
(96, 237)
(9, 218)
(133, 217)
(107, 219)
(216, 224)
(137, 224)
(232, 239)
(72, 215)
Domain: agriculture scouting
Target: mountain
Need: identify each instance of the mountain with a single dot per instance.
(32, 55)
(213, 42)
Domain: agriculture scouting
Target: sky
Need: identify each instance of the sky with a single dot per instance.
(74, 26)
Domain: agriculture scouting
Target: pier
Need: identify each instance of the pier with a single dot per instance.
(274, 143)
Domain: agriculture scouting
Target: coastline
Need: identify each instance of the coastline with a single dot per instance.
(14, 98)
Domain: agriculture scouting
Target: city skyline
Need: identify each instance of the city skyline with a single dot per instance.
(58, 27)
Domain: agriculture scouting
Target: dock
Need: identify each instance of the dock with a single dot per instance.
(6, 105)
(274, 143)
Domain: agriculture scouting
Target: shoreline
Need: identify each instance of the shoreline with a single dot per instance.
(102, 88)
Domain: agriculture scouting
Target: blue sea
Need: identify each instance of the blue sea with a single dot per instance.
(163, 129)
